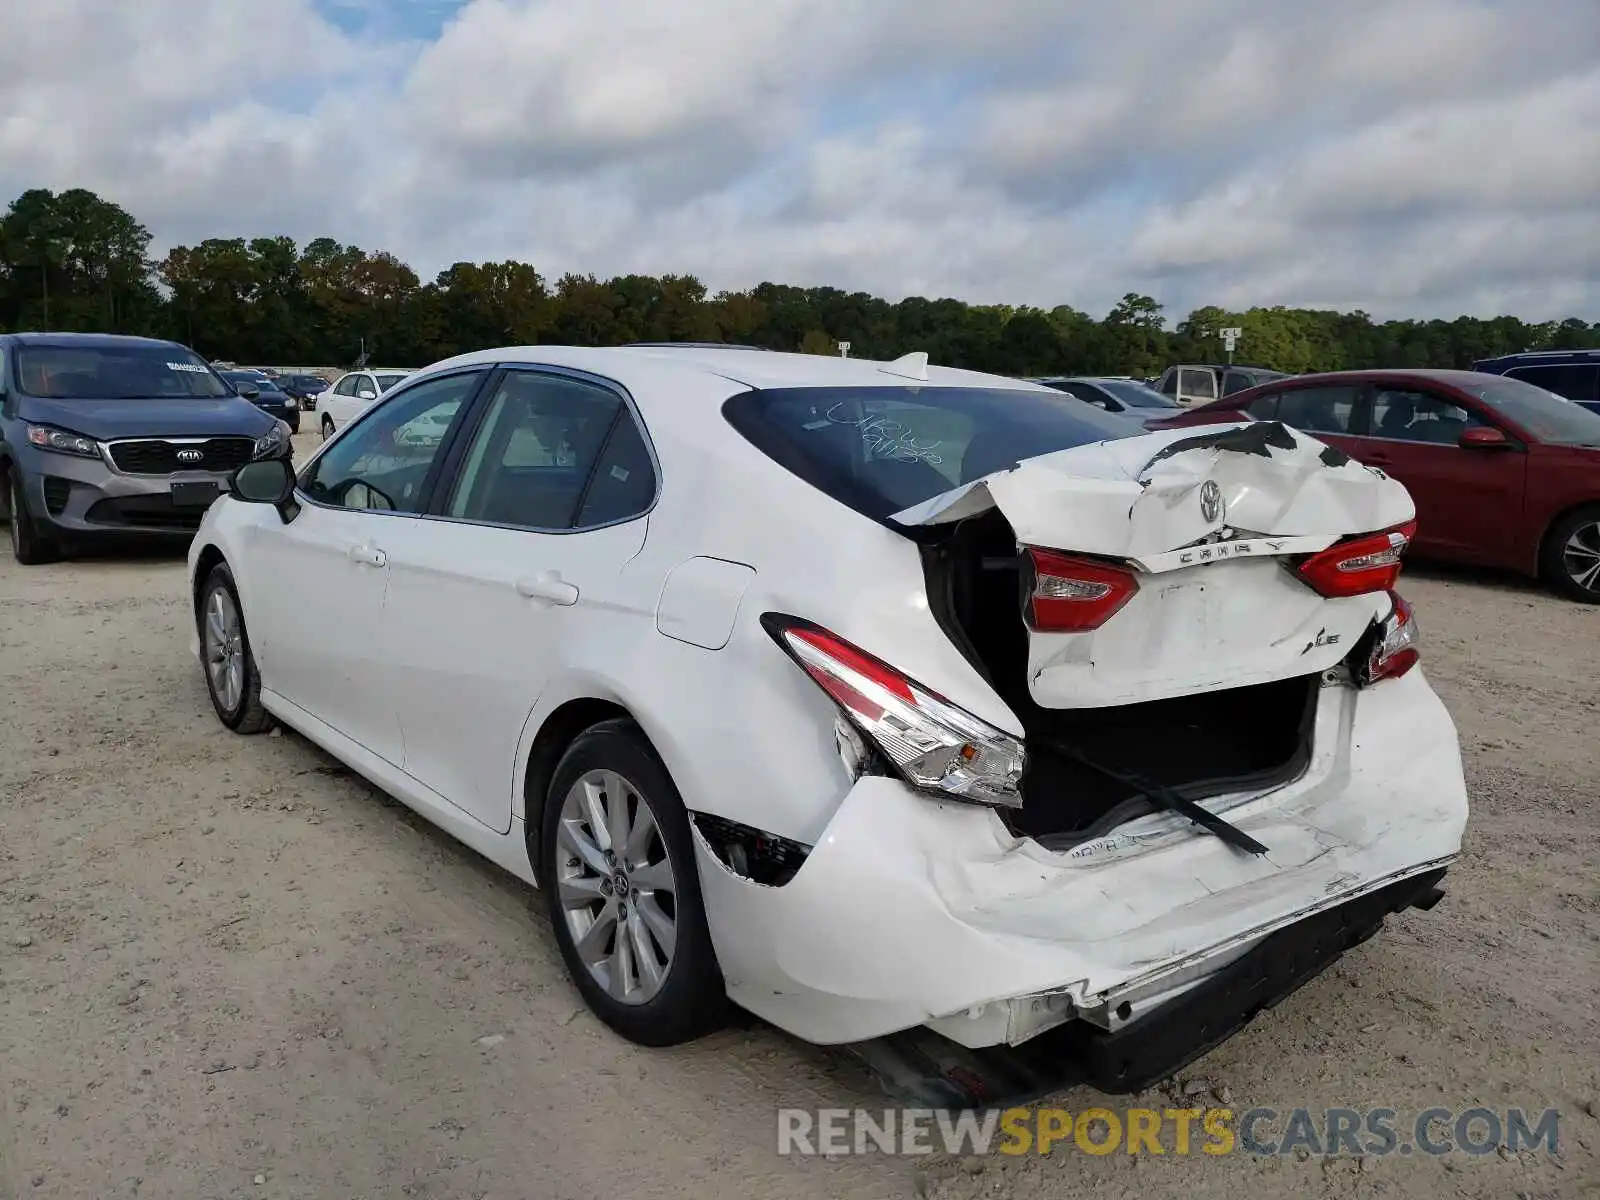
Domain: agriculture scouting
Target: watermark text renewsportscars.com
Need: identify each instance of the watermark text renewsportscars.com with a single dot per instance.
(1263, 1132)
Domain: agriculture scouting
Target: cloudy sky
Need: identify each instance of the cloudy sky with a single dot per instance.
(1409, 157)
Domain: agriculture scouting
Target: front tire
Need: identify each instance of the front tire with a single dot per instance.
(327, 427)
(618, 873)
(225, 656)
(28, 546)
(1572, 556)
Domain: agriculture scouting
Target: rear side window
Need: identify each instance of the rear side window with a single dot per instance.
(1199, 384)
(1575, 381)
(1264, 408)
(882, 449)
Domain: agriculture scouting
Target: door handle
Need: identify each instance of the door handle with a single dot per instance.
(548, 585)
(368, 556)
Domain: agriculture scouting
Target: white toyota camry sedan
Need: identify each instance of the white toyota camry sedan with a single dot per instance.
(867, 696)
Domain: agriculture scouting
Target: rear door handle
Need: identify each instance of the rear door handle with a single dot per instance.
(548, 585)
(368, 556)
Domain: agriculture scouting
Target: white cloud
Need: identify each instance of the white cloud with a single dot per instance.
(1407, 156)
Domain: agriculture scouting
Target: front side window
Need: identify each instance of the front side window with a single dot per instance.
(1089, 394)
(1550, 417)
(536, 451)
(127, 371)
(882, 449)
(1410, 416)
(1319, 409)
(382, 463)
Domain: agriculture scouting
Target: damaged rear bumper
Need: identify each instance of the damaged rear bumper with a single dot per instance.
(912, 911)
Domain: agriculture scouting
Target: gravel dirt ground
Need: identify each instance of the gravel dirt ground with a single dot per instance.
(229, 968)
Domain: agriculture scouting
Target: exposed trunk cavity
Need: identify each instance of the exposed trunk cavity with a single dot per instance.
(1199, 745)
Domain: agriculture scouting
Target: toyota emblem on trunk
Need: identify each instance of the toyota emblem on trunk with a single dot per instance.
(1211, 501)
(196, 456)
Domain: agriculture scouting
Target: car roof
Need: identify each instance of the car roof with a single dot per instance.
(1540, 358)
(91, 341)
(763, 369)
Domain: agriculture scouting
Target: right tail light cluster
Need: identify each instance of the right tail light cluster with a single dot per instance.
(1396, 645)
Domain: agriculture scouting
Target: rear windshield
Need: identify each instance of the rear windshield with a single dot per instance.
(125, 372)
(1136, 395)
(883, 449)
(1549, 417)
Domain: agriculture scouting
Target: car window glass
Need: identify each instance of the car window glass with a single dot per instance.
(383, 460)
(1318, 409)
(1409, 416)
(345, 386)
(1575, 381)
(534, 451)
(385, 382)
(1202, 385)
(1169, 383)
(1089, 394)
(883, 449)
(1264, 408)
(623, 484)
(1237, 381)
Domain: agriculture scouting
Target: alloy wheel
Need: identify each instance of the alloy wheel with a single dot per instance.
(616, 886)
(224, 649)
(1580, 557)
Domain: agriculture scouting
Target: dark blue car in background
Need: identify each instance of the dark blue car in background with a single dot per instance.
(103, 435)
(266, 395)
(1574, 374)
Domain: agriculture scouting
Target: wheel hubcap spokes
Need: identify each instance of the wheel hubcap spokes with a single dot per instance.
(1581, 557)
(224, 649)
(616, 885)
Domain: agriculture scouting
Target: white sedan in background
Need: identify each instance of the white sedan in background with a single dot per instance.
(870, 696)
(352, 395)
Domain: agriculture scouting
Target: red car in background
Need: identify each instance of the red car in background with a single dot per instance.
(1504, 474)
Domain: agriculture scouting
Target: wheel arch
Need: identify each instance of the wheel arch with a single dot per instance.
(564, 725)
(209, 558)
(1547, 536)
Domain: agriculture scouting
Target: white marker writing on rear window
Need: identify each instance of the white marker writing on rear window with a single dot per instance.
(889, 439)
(196, 368)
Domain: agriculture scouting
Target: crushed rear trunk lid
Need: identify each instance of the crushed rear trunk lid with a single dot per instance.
(1203, 526)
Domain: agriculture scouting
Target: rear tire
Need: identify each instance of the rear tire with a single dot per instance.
(629, 920)
(229, 666)
(1570, 562)
(28, 546)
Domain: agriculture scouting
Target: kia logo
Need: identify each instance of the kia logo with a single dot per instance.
(190, 456)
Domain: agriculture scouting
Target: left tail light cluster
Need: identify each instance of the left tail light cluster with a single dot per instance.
(1396, 645)
(931, 742)
(1069, 594)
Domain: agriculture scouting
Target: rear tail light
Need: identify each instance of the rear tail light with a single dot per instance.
(1396, 648)
(1075, 595)
(930, 741)
(1370, 563)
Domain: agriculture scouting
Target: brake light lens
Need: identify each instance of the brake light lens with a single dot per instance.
(1397, 647)
(1360, 565)
(1075, 595)
(930, 741)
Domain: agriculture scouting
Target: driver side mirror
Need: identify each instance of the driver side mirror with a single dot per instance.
(248, 392)
(366, 394)
(270, 481)
(1484, 437)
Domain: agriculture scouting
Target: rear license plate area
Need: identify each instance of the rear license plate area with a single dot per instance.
(194, 495)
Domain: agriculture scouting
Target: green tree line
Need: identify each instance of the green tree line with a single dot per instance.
(75, 261)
